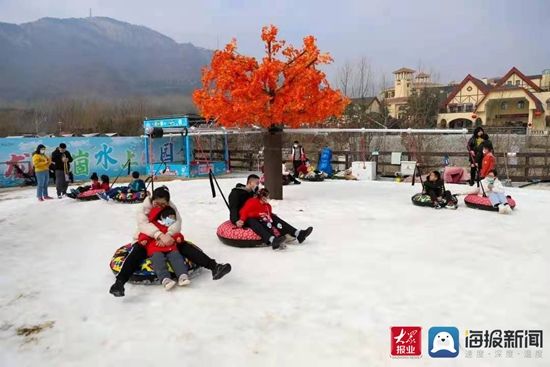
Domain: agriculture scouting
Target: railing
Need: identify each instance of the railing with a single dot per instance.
(517, 166)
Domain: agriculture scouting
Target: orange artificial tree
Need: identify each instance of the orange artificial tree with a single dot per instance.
(285, 88)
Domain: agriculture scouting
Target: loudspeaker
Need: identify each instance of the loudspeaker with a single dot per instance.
(156, 132)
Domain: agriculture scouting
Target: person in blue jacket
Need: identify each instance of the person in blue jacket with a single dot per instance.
(136, 186)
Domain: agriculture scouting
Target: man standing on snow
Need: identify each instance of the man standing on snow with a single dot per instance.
(298, 156)
(61, 158)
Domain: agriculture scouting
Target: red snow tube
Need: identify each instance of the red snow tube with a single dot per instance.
(90, 195)
(232, 235)
(483, 203)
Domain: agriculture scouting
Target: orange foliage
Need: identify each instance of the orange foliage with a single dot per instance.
(286, 87)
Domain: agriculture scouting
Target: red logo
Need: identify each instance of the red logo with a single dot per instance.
(406, 341)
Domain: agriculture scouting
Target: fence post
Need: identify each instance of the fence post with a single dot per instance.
(526, 173)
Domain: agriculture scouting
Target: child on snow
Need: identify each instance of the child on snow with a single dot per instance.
(94, 185)
(489, 161)
(163, 218)
(104, 183)
(495, 192)
(95, 182)
(435, 188)
(136, 186)
(258, 207)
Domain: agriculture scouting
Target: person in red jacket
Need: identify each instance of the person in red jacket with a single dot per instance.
(104, 183)
(163, 218)
(95, 185)
(257, 212)
(489, 161)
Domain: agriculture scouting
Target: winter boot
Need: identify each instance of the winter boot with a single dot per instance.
(303, 234)
(117, 289)
(168, 283)
(278, 242)
(183, 280)
(220, 270)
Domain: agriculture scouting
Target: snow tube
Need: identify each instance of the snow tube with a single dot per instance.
(316, 178)
(146, 274)
(133, 198)
(73, 193)
(232, 235)
(422, 200)
(89, 195)
(483, 203)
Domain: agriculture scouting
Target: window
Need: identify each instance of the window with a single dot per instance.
(460, 108)
(509, 82)
(468, 107)
(503, 106)
(521, 105)
(518, 82)
(408, 85)
(452, 109)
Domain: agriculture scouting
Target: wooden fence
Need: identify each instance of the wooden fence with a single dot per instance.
(520, 167)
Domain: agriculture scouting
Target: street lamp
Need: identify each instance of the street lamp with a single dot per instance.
(59, 124)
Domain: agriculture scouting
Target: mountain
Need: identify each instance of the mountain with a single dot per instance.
(93, 57)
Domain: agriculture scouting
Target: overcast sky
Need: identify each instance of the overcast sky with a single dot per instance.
(453, 38)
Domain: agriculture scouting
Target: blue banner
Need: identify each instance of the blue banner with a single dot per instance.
(101, 155)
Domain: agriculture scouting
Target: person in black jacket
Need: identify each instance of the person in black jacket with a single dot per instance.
(61, 159)
(240, 194)
(238, 197)
(475, 150)
(435, 188)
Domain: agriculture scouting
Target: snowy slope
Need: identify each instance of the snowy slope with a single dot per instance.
(373, 261)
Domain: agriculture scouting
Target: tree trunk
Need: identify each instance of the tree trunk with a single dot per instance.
(273, 160)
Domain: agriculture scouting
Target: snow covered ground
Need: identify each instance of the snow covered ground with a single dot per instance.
(373, 261)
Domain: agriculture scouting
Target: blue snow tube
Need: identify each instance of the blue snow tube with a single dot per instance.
(324, 161)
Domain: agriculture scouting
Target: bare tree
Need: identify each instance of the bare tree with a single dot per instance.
(362, 77)
(344, 77)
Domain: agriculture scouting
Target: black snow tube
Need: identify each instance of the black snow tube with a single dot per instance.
(422, 200)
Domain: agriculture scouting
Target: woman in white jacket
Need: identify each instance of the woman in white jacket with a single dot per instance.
(495, 192)
(138, 253)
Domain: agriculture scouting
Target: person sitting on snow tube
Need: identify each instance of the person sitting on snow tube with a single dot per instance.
(489, 161)
(258, 209)
(435, 189)
(122, 193)
(94, 185)
(138, 253)
(237, 199)
(288, 177)
(163, 218)
(309, 173)
(495, 192)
